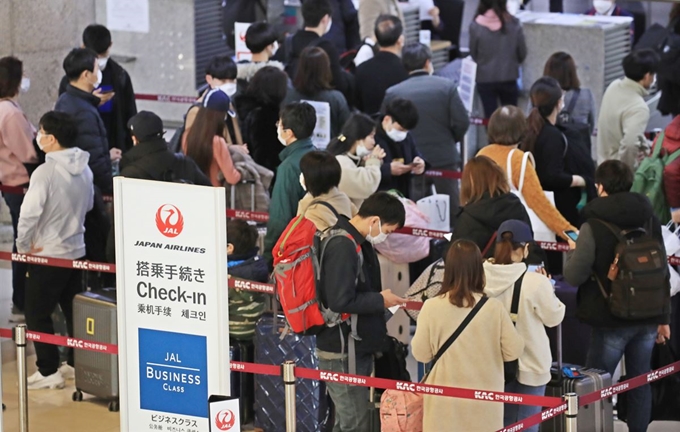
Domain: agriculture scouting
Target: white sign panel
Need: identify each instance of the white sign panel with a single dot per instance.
(173, 324)
(128, 15)
(466, 85)
(242, 51)
(322, 131)
(224, 414)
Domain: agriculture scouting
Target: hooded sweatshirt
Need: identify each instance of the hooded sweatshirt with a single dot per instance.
(321, 215)
(538, 308)
(59, 195)
(247, 70)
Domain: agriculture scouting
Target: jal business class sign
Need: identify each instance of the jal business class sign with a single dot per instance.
(172, 303)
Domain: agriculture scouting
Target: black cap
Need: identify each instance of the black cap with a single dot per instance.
(146, 125)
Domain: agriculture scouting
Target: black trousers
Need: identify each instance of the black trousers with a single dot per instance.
(491, 93)
(47, 287)
(14, 202)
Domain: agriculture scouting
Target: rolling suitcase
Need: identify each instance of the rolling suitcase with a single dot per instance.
(243, 384)
(94, 319)
(313, 409)
(595, 417)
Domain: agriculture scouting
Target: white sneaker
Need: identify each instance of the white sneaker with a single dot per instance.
(67, 371)
(16, 316)
(37, 381)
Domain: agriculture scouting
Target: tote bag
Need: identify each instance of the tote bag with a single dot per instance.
(541, 230)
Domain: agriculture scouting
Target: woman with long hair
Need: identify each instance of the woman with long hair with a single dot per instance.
(205, 142)
(312, 82)
(359, 157)
(486, 203)
(475, 359)
(497, 45)
(538, 308)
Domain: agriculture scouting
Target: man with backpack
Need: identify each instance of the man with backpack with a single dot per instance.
(619, 264)
(362, 297)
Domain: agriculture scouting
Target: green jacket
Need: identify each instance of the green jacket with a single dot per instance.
(286, 194)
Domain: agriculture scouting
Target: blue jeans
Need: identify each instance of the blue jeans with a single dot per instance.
(14, 202)
(608, 345)
(513, 413)
(351, 402)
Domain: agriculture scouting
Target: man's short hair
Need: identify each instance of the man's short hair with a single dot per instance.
(404, 112)
(97, 38)
(387, 207)
(313, 11)
(388, 30)
(11, 71)
(242, 236)
(639, 63)
(259, 36)
(222, 67)
(78, 61)
(415, 55)
(299, 117)
(62, 126)
(321, 171)
(614, 176)
(507, 126)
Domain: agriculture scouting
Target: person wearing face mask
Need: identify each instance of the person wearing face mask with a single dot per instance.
(320, 177)
(624, 115)
(16, 153)
(318, 22)
(442, 120)
(359, 157)
(117, 96)
(82, 71)
(363, 297)
(262, 41)
(610, 8)
(402, 159)
(51, 224)
(294, 131)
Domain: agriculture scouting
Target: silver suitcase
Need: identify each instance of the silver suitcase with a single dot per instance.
(94, 319)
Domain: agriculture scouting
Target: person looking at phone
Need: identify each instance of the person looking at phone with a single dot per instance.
(588, 266)
(538, 308)
(402, 159)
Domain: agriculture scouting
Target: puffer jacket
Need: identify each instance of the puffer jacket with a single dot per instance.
(91, 133)
(251, 193)
(671, 173)
(246, 307)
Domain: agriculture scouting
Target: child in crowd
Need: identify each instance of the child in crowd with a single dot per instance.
(243, 261)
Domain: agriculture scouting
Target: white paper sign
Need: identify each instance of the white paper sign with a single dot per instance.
(425, 37)
(242, 51)
(322, 131)
(224, 414)
(173, 324)
(466, 85)
(128, 15)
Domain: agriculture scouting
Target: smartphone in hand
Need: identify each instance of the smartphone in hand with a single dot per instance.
(573, 235)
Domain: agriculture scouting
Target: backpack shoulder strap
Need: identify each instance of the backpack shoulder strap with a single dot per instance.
(658, 145)
(613, 228)
(516, 291)
(572, 102)
(488, 245)
(328, 206)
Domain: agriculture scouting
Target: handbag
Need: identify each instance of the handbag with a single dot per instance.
(402, 411)
(436, 208)
(540, 229)
(510, 368)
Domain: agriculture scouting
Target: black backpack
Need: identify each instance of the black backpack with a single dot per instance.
(639, 278)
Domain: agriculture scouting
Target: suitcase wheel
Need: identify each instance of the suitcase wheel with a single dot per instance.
(77, 396)
(114, 406)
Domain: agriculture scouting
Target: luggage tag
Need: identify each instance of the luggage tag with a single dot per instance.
(571, 373)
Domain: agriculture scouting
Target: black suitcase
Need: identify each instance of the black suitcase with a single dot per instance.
(243, 384)
(312, 408)
(595, 417)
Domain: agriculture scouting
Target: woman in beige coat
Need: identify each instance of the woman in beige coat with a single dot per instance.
(320, 177)
(475, 359)
(370, 10)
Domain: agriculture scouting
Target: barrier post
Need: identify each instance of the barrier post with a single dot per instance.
(288, 373)
(570, 416)
(19, 336)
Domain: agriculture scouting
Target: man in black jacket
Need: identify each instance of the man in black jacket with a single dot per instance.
(363, 298)
(373, 77)
(82, 71)
(592, 254)
(117, 96)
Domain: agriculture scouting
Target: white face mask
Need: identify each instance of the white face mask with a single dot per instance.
(229, 89)
(39, 138)
(99, 79)
(282, 140)
(330, 24)
(25, 84)
(381, 237)
(275, 47)
(603, 6)
(362, 151)
(102, 62)
(397, 135)
(512, 6)
(302, 182)
(653, 84)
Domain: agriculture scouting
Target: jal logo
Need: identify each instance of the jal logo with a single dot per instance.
(169, 220)
(225, 420)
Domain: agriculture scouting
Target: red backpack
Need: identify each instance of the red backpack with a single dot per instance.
(298, 255)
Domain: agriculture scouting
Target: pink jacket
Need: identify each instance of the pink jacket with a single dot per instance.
(16, 144)
(221, 162)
